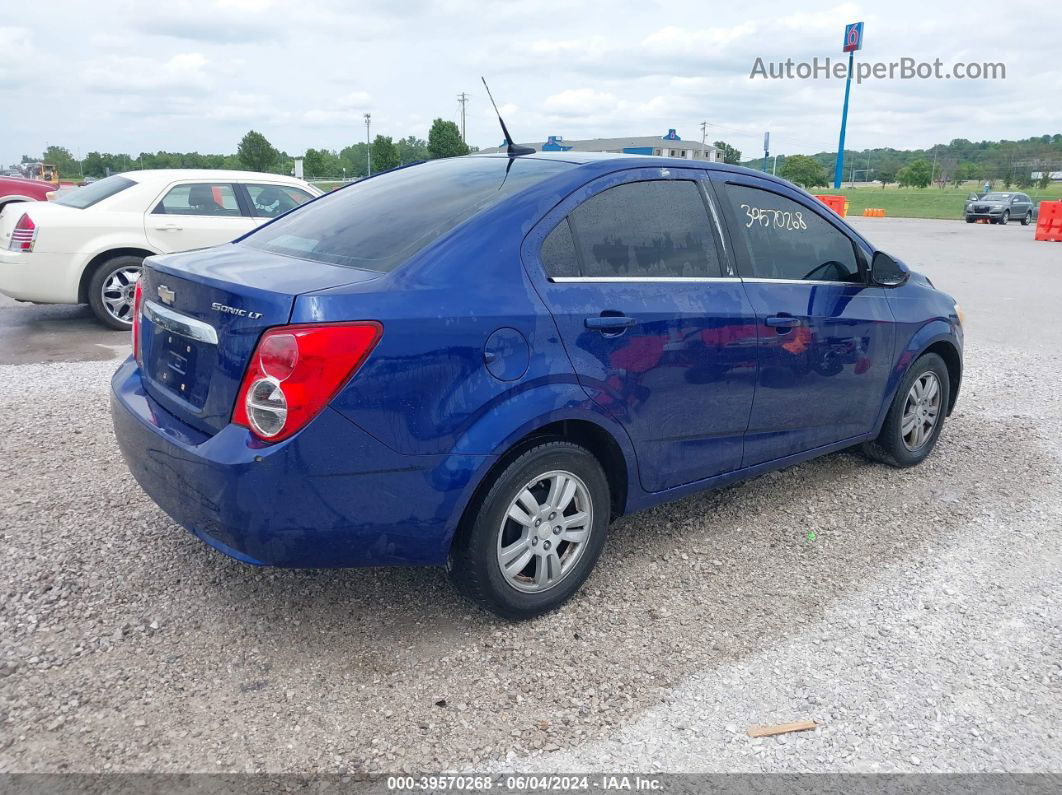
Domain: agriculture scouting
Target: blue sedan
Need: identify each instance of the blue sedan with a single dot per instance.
(480, 362)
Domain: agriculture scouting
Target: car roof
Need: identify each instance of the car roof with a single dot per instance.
(628, 160)
(165, 175)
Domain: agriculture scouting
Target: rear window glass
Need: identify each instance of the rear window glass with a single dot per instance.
(379, 223)
(96, 192)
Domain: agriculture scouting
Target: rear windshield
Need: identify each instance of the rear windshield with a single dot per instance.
(379, 223)
(96, 192)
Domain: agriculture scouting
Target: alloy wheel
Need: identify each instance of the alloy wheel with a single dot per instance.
(921, 411)
(544, 532)
(118, 292)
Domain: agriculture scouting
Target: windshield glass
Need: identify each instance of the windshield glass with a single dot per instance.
(96, 192)
(379, 223)
(997, 197)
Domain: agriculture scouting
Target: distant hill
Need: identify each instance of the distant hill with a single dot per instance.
(960, 159)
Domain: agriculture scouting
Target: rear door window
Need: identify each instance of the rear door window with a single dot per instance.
(651, 229)
(269, 201)
(786, 240)
(200, 198)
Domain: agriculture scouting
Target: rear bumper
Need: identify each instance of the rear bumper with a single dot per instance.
(330, 496)
(39, 276)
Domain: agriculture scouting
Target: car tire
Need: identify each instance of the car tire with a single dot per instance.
(970, 220)
(553, 567)
(1005, 217)
(897, 444)
(1027, 219)
(110, 291)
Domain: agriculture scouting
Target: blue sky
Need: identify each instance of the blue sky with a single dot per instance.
(125, 76)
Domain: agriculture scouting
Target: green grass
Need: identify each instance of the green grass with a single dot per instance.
(924, 202)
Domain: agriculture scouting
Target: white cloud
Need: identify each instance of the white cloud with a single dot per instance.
(198, 73)
(580, 102)
(128, 74)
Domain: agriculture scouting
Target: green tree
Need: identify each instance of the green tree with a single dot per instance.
(256, 153)
(1045, 178)
(444, 140)
(60, 157)
(885, 174)
(916, 174)
(384, 153)
(322, 164)
(804, 171)
(729, 153)
(411, 149)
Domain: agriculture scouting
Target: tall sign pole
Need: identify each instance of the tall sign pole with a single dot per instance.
(853, 40)
(766, 149)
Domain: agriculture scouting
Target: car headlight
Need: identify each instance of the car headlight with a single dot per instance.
(960, 314)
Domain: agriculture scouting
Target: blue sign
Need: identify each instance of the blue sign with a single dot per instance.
(671, 136)
(555, 143)
(853, 37)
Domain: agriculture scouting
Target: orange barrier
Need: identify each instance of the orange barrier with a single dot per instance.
(1049, 222)
(873, 212)
(835, 203)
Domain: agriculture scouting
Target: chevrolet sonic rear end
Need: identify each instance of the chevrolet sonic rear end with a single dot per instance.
(479, 362)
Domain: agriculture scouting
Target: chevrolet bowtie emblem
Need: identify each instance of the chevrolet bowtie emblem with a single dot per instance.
(166, 295)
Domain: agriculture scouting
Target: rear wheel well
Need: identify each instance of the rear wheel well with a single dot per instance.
(581, 432)
(947, 352)
(98, 260)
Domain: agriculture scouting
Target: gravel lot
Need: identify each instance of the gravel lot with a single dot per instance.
(922, 628)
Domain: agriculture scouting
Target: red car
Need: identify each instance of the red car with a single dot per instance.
(18, 189)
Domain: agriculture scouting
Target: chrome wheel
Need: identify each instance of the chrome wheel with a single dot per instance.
(118, 291)
(920, 411)
(544, 532)
(1005, 217)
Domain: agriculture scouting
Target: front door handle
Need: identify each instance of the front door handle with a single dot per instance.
(782, 321)
(610, 322)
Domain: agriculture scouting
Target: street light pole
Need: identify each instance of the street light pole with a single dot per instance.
(368, 146)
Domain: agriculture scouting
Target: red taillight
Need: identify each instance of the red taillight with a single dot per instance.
(23, 235)
(138, 294)
(295, 371)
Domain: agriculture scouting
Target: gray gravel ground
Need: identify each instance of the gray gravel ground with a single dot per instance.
(922, 628)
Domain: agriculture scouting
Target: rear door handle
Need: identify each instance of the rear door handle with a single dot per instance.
(169, 228)
(782, 321)
(610, 322)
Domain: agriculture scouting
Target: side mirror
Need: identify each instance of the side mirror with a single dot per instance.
(886, 271)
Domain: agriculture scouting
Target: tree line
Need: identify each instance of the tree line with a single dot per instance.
(255, 153)
(1011, 163)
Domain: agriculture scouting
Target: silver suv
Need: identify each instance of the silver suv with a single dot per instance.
(999, 208)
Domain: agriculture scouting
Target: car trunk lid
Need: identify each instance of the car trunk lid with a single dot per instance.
(202, 315)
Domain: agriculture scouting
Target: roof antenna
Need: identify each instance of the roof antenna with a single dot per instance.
(511, 149)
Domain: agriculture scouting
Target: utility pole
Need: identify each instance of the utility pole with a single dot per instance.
(766, 149)
(462, 98)
(704, 132)
(368, 146)
(933, 173)
(774, 166)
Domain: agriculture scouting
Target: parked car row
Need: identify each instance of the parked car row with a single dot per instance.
(88, 244)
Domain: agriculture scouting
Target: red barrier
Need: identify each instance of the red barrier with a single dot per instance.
(1049, 222)
(835, 203)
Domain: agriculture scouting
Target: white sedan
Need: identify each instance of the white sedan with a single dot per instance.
(87, 246)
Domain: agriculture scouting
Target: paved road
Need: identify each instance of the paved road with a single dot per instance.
(921, 629)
